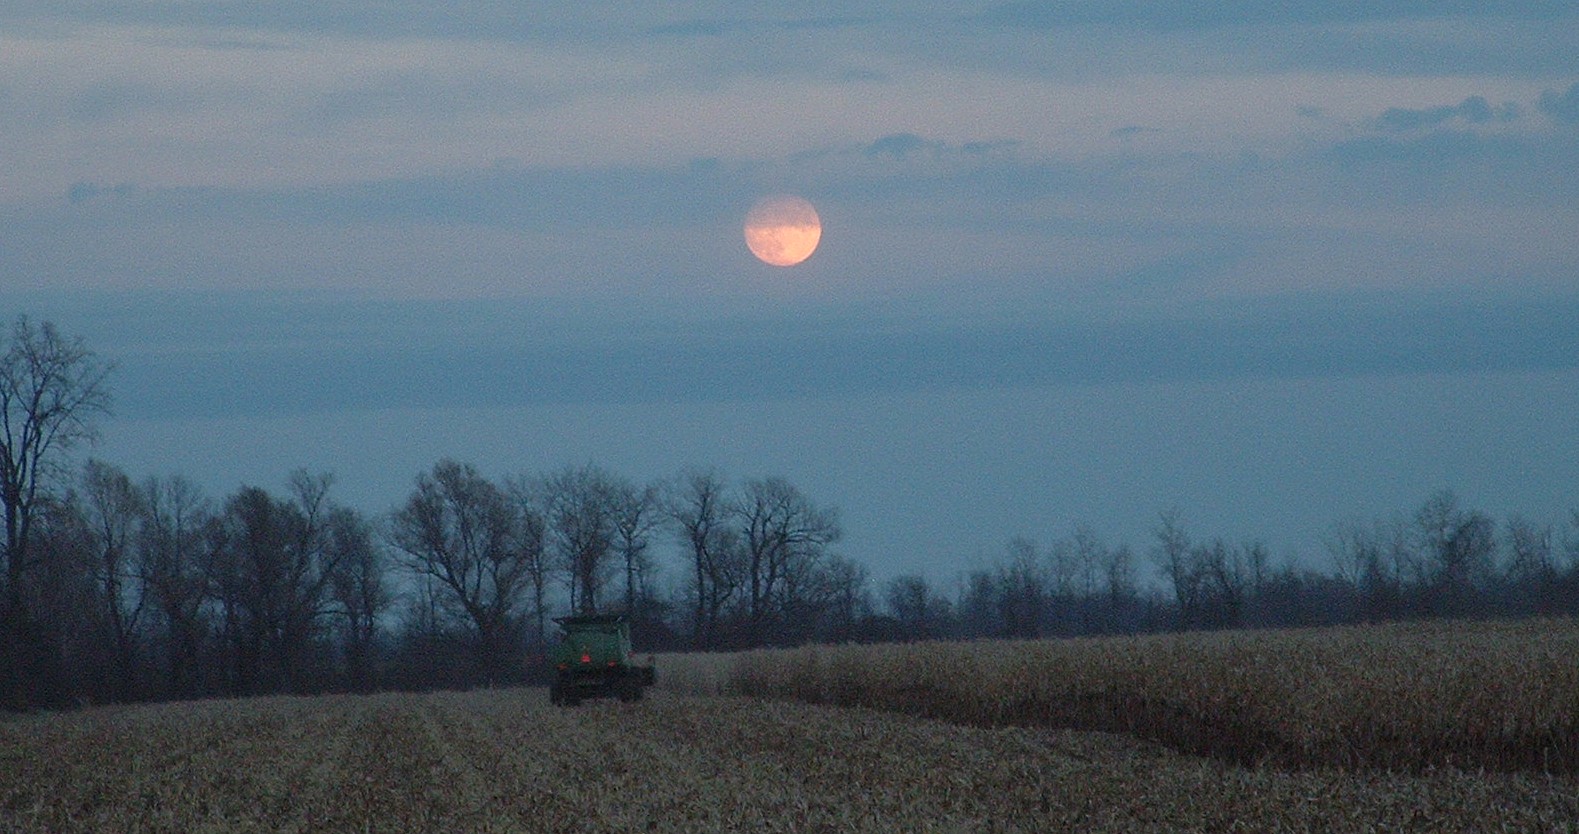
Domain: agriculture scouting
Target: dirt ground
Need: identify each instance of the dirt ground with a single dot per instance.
(506, 760)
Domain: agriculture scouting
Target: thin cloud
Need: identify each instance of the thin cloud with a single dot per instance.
(1474, 110)
(898, 145)
(352, 356)
(1561, 107)
(1205, 14)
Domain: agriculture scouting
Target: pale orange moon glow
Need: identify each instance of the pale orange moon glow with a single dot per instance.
(783, 230)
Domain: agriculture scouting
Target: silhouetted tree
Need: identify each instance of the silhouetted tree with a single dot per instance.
(1532, 576)
(1172, 554)
(979, 609)
(698, 506)
(1459, 547)
(582, 523)
(65, 648)
(636, 518)
(176, 527)
(359, 586)
(461, 533)
(1086, 555)
(1023, 593)
(1223, 576)
(532, 542)
(849, 602)
(919, 612)
(785, 536)
(271, 569)
(1122, 590)
(52, 389)
(1376, 561)
(113, 509)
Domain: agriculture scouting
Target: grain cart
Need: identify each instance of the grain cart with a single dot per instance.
(593, 660)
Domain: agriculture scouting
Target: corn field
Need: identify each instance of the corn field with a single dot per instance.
(1443, 727)
(1494, 695)
(507, 761)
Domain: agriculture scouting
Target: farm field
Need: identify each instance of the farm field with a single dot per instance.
(506, 760)
(1494, 695)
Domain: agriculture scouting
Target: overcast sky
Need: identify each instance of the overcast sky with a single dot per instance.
(1276, 265)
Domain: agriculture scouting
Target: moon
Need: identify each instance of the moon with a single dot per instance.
(783, 230)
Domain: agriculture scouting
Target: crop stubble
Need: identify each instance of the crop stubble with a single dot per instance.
(505, 760)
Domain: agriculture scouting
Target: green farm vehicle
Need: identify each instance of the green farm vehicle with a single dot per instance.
(593, 660)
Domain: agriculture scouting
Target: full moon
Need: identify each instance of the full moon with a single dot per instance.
(783, 230)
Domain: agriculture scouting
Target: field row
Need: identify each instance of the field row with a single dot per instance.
(502, 761)
(1500, 696)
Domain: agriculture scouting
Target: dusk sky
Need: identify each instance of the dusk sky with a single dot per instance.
(1276, 265)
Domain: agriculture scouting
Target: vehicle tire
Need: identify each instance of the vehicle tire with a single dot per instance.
(564, 693)
(629, 688)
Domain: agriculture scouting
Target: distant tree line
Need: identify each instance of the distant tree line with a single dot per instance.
(1445, 560)
(119, 589)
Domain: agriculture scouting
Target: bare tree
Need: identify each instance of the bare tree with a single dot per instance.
(1023, 590)
(921, 613)
(636, 517)
(1173, 557)
(1352, 551)
(461, 532)
(698, 505)
(849, 600)
(1087, 556)
(113, 509)
(531, 541)
(1532, 566)
(1530, 552)
(312, 567)
(1459, 546)
(271, 568)
(809, 592)
(1118, 574)
(979, 608)
(359, 587)
(1121, 589)
(172, 537)
(581, 524)
(51, 391)
(1223, 575)
(66, 648)
(784, 534)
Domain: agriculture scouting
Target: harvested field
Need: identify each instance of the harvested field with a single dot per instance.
(508, 761)
(1472, 695)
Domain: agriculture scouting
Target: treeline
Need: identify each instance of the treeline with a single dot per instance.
(151, 590)
(1445, 560)
(117, 589)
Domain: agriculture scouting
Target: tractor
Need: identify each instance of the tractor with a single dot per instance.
(593, 660)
